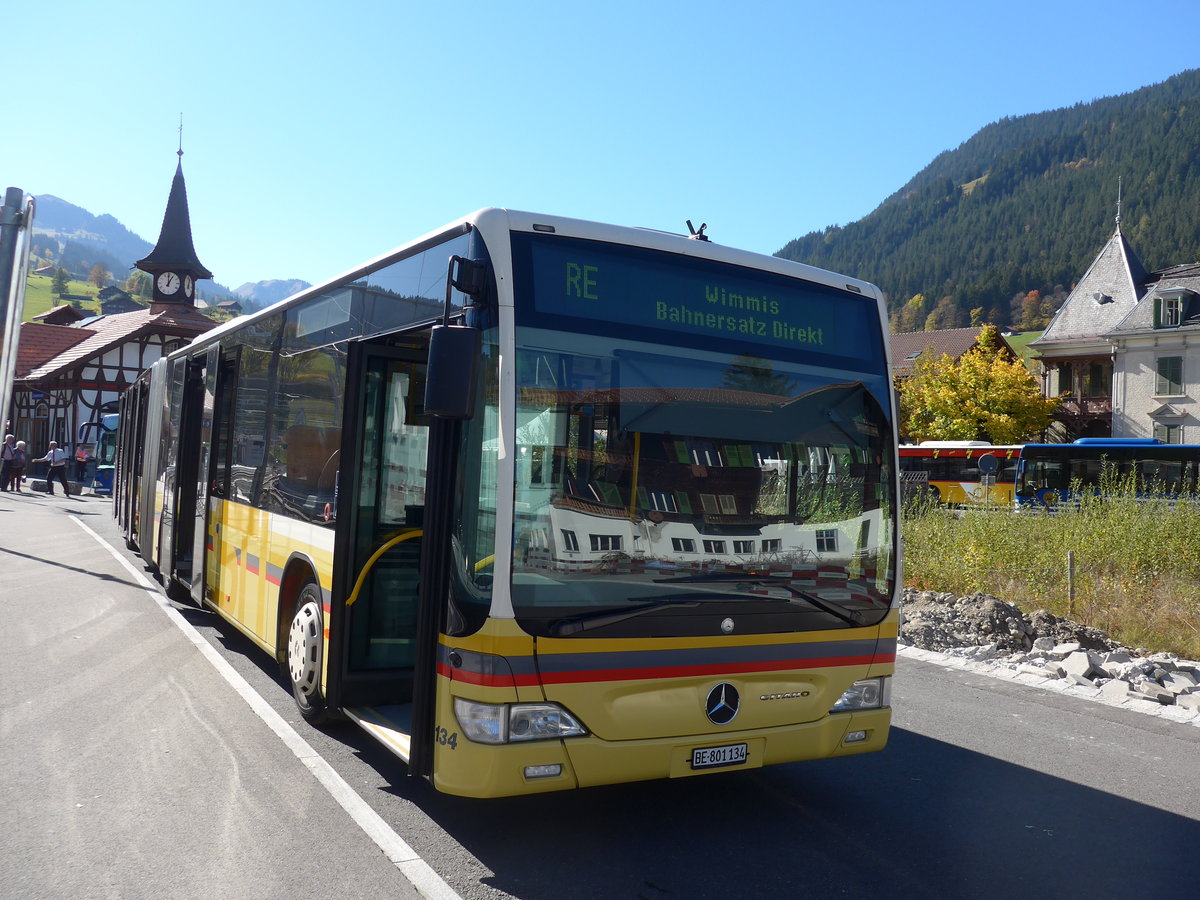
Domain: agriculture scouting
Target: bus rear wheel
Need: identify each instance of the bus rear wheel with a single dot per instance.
(305, 650)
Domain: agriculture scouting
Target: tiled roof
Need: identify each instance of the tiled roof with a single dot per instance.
(953, 342)
(1106, 294)
(63, 314)
(39, 343)
(1185, 277)
(1167, 277)
(174, 319)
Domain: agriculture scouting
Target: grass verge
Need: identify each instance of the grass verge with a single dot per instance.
(39, 297)
(1136, 563)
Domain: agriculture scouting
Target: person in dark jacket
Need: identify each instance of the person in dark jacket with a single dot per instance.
(8, 452)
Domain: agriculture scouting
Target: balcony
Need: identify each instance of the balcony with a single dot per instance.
(1085, 417)
(1087, 407)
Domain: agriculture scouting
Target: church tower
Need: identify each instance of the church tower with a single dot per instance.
(172, 263)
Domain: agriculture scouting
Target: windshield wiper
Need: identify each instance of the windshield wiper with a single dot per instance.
(600, 618)
(824, 605)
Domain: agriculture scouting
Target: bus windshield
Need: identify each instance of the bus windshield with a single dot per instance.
(706, 452)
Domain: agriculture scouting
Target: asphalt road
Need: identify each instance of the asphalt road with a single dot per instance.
(128, 767)
(131, 769)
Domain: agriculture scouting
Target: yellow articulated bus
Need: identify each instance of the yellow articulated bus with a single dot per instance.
(543, 503)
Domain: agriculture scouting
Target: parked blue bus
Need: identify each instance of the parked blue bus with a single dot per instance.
(1050, 474)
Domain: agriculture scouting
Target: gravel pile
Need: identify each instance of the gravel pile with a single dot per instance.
(986, 629)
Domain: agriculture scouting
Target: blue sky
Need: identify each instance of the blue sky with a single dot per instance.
(318, 135)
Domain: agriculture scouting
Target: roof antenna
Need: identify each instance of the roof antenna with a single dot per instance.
(697, 235)
(180, 151)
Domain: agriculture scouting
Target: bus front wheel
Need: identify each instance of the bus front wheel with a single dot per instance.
(305, 649)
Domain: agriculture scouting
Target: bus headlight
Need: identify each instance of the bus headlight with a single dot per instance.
(504, 723)
(871, 693)
(483, 723)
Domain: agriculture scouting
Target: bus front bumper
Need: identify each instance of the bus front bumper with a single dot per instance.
(538, 767)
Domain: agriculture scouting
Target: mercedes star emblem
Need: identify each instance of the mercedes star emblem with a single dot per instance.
(722, 704)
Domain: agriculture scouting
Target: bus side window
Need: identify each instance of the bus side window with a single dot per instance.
(312, 457)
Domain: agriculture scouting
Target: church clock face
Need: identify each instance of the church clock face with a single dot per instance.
(168, 282)
(188, 286)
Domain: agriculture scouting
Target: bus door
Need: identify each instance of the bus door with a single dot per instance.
(191, 481)
(384, 648)
(128, 462)
(213, 480)
(151, 503)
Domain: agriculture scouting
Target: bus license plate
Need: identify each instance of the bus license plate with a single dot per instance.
(711, 757)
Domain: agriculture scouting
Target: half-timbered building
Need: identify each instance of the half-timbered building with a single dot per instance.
(69, 368)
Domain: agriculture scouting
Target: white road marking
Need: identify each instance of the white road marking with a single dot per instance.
(427, 882)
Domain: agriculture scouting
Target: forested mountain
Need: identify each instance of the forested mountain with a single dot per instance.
(1024, 206)
(77, 240)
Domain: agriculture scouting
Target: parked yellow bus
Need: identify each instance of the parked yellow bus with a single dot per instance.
(962, 473)
(543, 503)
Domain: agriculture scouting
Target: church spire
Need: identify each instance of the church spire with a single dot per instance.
(173, 262)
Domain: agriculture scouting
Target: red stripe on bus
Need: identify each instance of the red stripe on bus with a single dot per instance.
(692, 671)
(583, 676)
(484, 680)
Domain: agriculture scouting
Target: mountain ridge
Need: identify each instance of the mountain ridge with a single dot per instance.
(84, 239)
(1018, 209)
(1024, 205)
(270, 290)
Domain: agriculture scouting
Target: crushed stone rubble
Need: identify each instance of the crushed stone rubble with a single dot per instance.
(987, 633)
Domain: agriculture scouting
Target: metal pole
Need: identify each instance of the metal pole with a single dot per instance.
(15, 215)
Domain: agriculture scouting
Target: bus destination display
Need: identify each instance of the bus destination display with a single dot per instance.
(588, 280)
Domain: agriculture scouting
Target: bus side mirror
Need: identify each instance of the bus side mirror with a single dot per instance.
(453, 366)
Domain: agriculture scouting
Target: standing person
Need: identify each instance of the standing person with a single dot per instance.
(8, 452)
(58, 468)
(83, 455)
(16, 471)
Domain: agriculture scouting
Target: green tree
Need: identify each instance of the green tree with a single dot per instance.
(1031, 311)
(945, 315)
(61, 282)
(139, 284)
(912, 315)
(982, 396)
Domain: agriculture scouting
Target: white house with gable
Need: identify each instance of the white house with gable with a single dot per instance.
(1124, 348)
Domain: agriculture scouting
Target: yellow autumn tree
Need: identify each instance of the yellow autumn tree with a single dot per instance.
(984, 396)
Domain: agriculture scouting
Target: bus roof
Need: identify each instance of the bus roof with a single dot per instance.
(1118, 442)
(955, 448)
(955, 444)
(520, 221)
